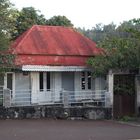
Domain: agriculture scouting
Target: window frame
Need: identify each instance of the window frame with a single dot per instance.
(86, 86)
(13, 83)
(44, 80)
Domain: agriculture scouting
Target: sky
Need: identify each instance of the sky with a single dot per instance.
(85, 13)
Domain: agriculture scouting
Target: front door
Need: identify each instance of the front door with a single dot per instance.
(45, 87)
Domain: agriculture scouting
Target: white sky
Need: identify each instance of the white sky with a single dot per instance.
(86, 13)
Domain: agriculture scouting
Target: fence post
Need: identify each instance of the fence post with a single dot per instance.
(65, 98)
(1, 95)
(6, 98)
(107, 100)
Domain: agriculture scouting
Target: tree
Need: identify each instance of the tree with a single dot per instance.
(120, 51)
(29, 16)
(99, 32)
(25, 19)
(5, 23)
(5, 26)
(59, 21)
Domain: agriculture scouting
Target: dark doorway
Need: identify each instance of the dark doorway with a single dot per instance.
(10, 81)
(68, 81)
(68, 85)
(124, 95)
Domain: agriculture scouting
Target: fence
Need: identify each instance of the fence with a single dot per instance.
(67, 98)
(1, 95)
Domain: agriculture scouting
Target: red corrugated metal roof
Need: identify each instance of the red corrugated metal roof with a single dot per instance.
(53, 45)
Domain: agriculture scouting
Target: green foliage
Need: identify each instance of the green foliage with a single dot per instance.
(99, 32)
(6, 59)
(29, 16)
(97, 63)
(6, 62)
(121, 49)
(25, 19)
(6, 24)
(5, 13)
(59, 21)
(4, 41)
(124, 89)
(128, 119)
(124, 84)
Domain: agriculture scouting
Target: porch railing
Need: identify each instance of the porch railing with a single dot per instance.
(1, 95)
(63, 97)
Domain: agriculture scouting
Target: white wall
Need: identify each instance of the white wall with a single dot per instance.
(22, 82)
(22, 88)
(77, 81)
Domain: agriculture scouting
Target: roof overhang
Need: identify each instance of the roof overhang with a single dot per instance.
(42, 68)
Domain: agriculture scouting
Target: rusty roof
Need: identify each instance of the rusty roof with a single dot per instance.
(53, 45)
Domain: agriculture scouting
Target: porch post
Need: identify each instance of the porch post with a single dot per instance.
(65, 98)
(137, 81)
(6, 98)
(34, 87)
(110, 78)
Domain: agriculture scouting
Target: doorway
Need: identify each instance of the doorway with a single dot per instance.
(68, 81)
(68, 85)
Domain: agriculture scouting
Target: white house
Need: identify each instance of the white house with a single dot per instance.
(51, 68)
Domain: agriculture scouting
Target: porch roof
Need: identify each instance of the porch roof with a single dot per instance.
(54, 68)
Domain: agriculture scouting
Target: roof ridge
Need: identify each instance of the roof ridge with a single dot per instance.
(54, 26)
(25, 36)
(55, 54)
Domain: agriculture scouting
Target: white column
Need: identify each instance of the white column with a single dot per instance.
(34, 86)
(110, 79)
(57, 85)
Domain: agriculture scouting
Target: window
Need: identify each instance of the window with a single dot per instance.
(89, 80)
(48, 81)
(41, 81)
(86, 80)
(44, 81)
(83, 80)
(10, 81)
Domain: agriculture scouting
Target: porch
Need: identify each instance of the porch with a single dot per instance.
(98, 98)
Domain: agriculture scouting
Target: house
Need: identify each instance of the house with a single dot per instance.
(51, 69)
